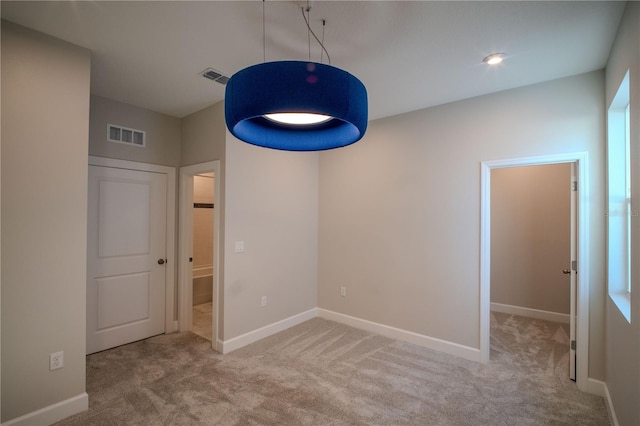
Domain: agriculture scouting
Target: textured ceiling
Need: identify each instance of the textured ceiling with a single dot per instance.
(410, 55)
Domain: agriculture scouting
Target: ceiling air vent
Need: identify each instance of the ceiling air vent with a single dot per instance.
(126, 135)
(214, 75)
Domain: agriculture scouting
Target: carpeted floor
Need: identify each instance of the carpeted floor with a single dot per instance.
(325, 373)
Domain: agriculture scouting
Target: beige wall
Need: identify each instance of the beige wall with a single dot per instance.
(45, 119)
(399, 210)
(623, 339)
(204, 136)
(162, 140)
(271, 205)
(531, 237)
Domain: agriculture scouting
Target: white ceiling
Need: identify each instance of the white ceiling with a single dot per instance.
(409, 55)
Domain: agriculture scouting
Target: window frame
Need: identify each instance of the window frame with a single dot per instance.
(619, 212)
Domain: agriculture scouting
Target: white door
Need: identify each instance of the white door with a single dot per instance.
(573, 272)
(126, 256)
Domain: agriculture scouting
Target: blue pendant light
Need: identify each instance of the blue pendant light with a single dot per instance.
(296, 105)
(336, 98)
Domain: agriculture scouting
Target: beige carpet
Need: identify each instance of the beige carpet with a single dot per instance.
(324, 373)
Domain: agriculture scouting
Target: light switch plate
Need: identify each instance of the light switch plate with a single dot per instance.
(239, 246)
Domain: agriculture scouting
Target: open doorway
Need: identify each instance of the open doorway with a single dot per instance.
(580, 285)
(202, 254)
(200, 304)
(531, 254)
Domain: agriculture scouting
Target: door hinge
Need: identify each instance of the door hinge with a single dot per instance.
(574, 265)
(573, 345)
(574, 186)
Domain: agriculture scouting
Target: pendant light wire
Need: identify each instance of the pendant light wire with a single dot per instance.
(310, 32)
(308, 29)
(324, 23)
(314, 36)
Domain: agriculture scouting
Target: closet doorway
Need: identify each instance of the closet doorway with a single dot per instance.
(200, 302)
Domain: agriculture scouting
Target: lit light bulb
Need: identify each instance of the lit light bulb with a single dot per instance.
(298, 118)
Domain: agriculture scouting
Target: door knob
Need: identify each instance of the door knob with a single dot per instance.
(161, 261)
(566, 271)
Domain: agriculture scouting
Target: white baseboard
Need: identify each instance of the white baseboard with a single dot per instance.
(266, 331)
(451, 348)
(531, 313)
(607, 399)
(53, 413)
(456, 349)
(594, 387)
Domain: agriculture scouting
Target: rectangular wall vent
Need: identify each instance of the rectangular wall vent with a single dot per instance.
(215, 75)
(126, 135)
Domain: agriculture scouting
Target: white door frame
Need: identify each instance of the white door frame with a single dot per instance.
(581, 159)
(185, 268)
(170, 322)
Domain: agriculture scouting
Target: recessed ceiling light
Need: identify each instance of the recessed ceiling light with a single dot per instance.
(493, 59)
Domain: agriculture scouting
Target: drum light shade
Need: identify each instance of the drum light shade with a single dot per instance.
(296, 87)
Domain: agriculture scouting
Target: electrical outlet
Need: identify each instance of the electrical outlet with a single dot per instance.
(264, 301)
(56, 360)
(343, 291)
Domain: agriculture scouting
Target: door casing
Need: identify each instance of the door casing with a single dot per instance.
(581, 161)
